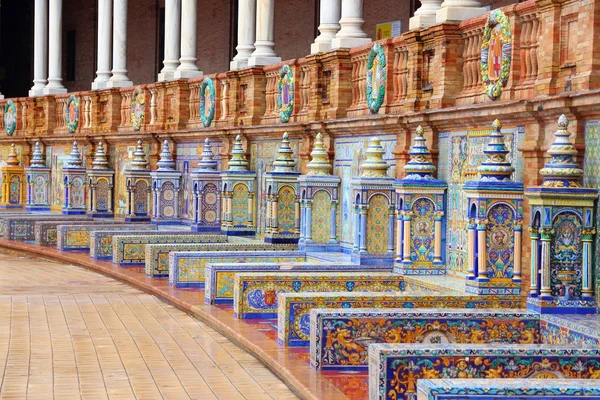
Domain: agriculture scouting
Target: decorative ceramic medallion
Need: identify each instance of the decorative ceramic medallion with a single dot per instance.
(285, 93)
(72, 113)
(138, 108)
(207, 101)
(496, 49)
(10, 117)
(376, 78)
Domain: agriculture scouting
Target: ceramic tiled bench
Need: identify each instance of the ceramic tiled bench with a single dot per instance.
(220, 276)
(77, 237)
(18, 214)
(46, 233)
(522, 389)
(570, 329)
(101, 241)
(255, 294)
(293, 313)
(157, 255)
(340, 338)
(187, 268)
(130, 250)
(395, 368)
(23, 228)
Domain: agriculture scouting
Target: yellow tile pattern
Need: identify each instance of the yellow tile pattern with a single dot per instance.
(67, 333)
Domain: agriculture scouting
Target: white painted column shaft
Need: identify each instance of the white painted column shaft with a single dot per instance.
(187, 62)
(119, 72)
(40, 48)
(172, 44)
(246, 33)
(104, 44)
(264, 53)
(351, 33)
(55, 85)
(329, 25)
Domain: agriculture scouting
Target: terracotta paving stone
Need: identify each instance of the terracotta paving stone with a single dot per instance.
(68, 333)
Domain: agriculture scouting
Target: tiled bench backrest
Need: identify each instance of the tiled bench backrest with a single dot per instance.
(187, 268)
(23, 228)
(46, 232)
(101, 241)
(157, 255)
(220, 276)
(77, 237)
(534, 389)
(130, 250)
(339, 338)
(295, 307)
(395, 368)
(255, 294)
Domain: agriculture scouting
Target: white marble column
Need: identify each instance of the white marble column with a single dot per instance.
(328, 26)
(351, 33)
(104, 44)
(459, 10)
(172, 34)
(425, 15)
(40, 48)
(55, 85)
(246, 33)
(189, 34)
(264, 53)
(119, 72)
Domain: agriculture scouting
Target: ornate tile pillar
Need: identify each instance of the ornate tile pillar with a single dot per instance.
(100, 180)
(206, 184)
(12, 177)
(166, 182)
(562, 233)
(38, 182)
(138, 186)
(74, 180)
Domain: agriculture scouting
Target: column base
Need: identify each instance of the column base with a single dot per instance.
(259, 61)
(421, 21)
(238, 64)
(118, 84)
(187, 74)
(35, 92)
(99, 85)
(458, 13)
(320, 47)
(2, 96)
(54, 90)
(166, 76)
(348, 42)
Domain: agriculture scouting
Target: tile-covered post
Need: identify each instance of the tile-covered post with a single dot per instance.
(139, 187)
(74, 175)
(562, 211)
(206, 185)
(166, 182)
(12, 176)
(282, 185)
(38, 182)
(421, 199)
(374, 201)
(495, 203)
(319, 196)
(100, 186)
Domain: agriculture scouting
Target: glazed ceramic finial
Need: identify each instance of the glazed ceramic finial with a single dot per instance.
(419, 167)
(319, 165)
(284, 162)
(100, 160)
(496, 167)
(207, 158)
(166, 163)
(75, 160)
(238, 161)
(374, 166)
(139, 161)
(562, 170)
(37, 158)
(13, 157)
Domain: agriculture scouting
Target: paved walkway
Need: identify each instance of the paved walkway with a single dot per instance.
(66, 332)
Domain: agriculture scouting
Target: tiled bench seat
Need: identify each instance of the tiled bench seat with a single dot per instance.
(340, 338)
(77, 237)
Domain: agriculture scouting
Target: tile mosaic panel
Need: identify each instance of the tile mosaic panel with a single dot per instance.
(571, 329)
(220, 276)
(395, 368)
(23, 227)
(130, 250)
(77, 237)
(488, 389)
(293, 313)
(119, 160)
(340, 338)
(255, 294)
(321, 217)
(188, 269)
(44, 231)
(101, 241)
(349, 154)
(57, 157)
(262, 155)
(460, 153)
(157, 255)
(591, 179)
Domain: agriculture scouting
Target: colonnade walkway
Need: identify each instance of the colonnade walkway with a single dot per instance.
(69, 333)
